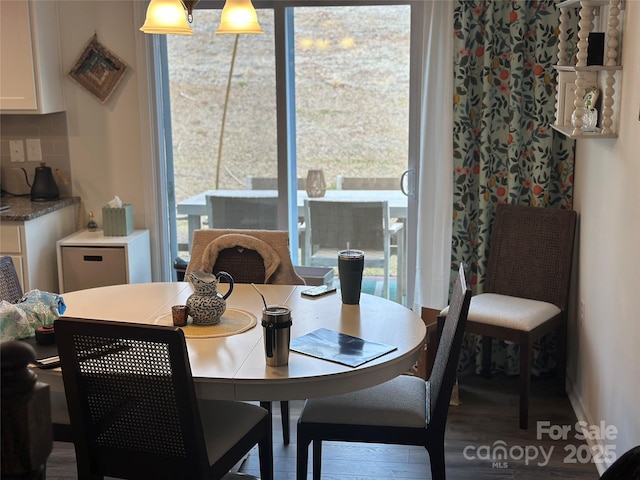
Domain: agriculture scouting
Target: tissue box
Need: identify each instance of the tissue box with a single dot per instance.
(117, 222)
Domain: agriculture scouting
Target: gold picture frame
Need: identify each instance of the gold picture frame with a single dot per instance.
(98, 70)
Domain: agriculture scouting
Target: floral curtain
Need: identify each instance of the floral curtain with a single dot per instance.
(503, 146)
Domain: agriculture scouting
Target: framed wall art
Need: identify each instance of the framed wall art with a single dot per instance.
(98, 70)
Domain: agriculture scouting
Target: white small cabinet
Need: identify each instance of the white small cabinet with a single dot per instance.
(31, 79)
(574, 78)
(89, 259)
(31, 245)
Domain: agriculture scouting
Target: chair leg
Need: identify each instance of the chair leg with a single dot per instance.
(487, 345)
(317, 459)
(284, 412)
(265, 453)
(436, 458)
(526, 355)
(83, 465)
(561, 355)
(267, 407)
(302, 455)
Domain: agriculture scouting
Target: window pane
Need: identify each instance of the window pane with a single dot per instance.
(352, 121)
(352, 91)
(199, 67)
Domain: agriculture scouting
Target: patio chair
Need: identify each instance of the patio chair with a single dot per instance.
(526, 288)
(367, 183)
(270, 183)
(249, 256)
(10, 289)
(133, 406)
(331, 225)
(404, 411)
(242, 212)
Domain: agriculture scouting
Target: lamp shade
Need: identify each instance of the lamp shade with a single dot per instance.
(166, 16)
(239, 16)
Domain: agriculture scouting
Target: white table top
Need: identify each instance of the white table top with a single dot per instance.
(234, 367)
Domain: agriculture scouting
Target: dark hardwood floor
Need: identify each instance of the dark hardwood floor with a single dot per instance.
(486, 418)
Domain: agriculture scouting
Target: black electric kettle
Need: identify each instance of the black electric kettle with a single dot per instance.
(44, 186)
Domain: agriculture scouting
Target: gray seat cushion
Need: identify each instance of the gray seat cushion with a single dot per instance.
(400, 402)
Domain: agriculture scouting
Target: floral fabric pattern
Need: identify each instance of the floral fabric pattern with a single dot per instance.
(504, 148)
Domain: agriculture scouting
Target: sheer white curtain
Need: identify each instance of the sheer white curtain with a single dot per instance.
(433, 254)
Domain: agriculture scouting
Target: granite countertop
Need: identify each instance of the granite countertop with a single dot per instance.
(22, 208)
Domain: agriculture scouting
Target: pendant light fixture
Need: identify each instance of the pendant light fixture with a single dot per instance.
(168, 16)
(239, 16)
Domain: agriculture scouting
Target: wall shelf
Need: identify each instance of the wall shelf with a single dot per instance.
(575, 77)
(567, 131)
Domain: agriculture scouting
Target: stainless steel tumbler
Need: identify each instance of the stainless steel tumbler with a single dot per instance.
(276, 321)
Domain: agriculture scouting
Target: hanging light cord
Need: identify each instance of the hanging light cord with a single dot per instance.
(224, 110)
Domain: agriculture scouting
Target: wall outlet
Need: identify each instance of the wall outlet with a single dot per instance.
(16, 148)
(34, 151)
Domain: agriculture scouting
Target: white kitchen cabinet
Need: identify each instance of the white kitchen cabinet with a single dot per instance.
(32, 246)
(89, 259)
(31, 79)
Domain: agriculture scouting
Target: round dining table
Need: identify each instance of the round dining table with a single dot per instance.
(233, 367)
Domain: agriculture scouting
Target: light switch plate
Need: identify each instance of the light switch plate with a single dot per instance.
(34, 151)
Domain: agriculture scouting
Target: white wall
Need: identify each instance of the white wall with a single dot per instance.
(104, 140)
(604, 362)
(109, 144)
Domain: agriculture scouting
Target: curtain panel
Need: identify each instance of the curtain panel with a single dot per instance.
(504, 150)
(435, 180)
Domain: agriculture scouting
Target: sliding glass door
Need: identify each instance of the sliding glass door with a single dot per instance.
(320, 104)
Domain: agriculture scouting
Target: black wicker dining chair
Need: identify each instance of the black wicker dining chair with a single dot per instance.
(10, 289)
(404, 411)
(134, 412)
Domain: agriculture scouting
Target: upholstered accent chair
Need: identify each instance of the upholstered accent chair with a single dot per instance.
(249, 256)
(234, 248)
